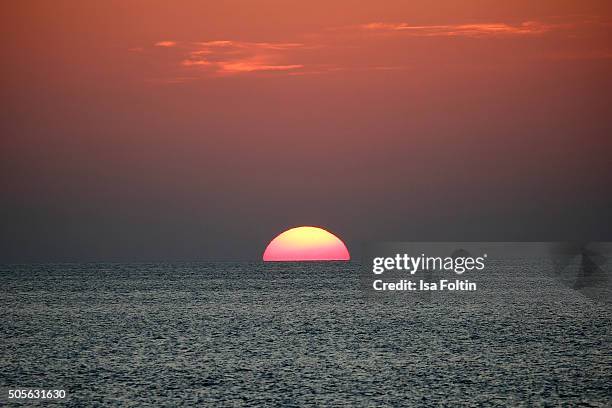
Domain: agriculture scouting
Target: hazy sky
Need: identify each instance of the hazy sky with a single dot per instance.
(150, 130)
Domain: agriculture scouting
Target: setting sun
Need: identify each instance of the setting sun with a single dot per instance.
(306, 244)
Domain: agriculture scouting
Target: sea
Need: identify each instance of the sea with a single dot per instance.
(296, 334)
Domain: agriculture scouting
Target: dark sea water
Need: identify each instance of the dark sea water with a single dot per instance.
(219, 334)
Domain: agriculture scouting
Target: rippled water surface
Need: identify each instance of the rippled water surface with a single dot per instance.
(296, 334)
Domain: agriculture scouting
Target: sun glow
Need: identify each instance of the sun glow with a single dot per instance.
(306, 244)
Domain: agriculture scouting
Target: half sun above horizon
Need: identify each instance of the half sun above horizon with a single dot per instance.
(306, 244)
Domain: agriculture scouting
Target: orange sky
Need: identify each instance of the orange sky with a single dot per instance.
(378, 119)
(195, 39)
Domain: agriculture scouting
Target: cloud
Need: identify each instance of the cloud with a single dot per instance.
(166, 44)
(368, 47)
(464, 30)
(227, 57)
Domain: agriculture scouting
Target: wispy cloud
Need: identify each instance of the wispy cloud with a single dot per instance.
(234, 57)
(166, 44)
(363, 47)
(465, 30)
